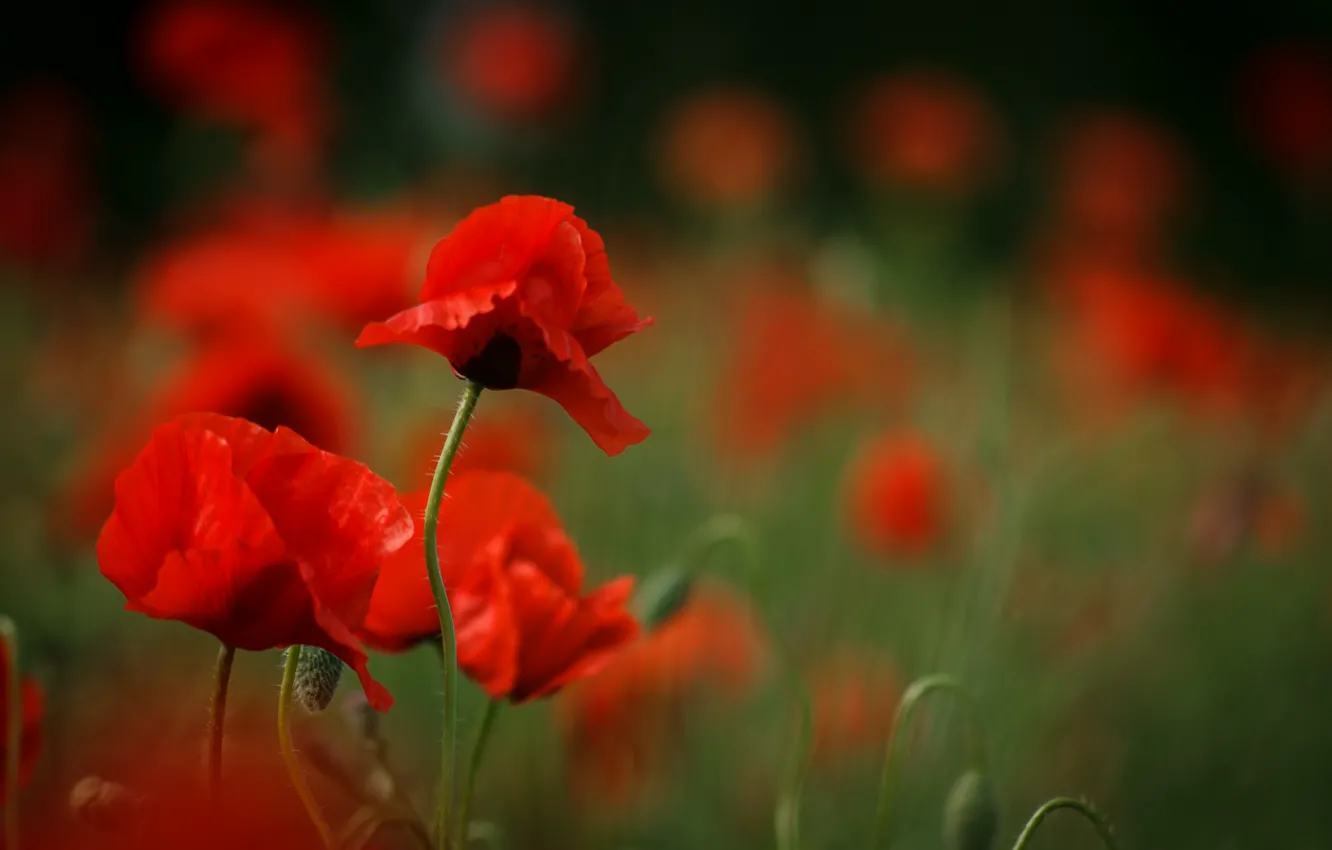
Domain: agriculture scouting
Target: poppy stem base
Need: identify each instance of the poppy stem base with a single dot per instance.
(448, 638)
(217, 716)
(473, 767)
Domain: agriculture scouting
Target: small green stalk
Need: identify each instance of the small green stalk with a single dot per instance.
(919, 689)
(1095, 818)
(473, 767)
(448, 638)
(217, 715)
(289, 752)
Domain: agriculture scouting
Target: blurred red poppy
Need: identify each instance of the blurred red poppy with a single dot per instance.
(796, 358)
(1119, 179)
(511, 61)
(726, 147)
(1136, 334)
(854, 699)
(924, 130)
(30, 704)
(618, 724)
(251, 65)
(45, 208)
(525, 629)
(272, 270)
(510, 439)
(1286, 95)
(253, 379)
(520, 295)
(152, 797)
(897, 496)
(256, 537)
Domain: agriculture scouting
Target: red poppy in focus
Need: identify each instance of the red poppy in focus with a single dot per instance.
(617, 724)
(1286, 93)
(796, 358)
(270, 271)
(1139, 334)
(898, 496)
(520, 295)
(512, 61)
(252, 379)
(925, 131)
(247, 64)
(525, 628)
(30, 705)
(854, 700)
(256, 537)
(513, 439)
(45, 206)
(1119, 180)
(726, 147)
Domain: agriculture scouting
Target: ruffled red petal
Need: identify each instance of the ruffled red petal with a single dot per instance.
(496, 243)
(596, 409)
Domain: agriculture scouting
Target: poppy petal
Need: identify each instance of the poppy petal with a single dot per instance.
(496, 243)
(432, 325)
(587, 399)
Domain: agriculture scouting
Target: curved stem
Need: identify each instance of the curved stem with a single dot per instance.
(896, 742)
(13, 729)
(473, 766)
(448, 639)
(1097, 820)
(289, 752)
(217, 716)
(716, 532)
(786, 817)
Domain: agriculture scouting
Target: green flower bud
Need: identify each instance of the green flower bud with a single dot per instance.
(971, 814)
(661, 596)
(317, 674)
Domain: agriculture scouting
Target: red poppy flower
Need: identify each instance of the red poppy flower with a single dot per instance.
(247, 64)
(512, 61)
(520, 295)
(854, 699)
(618, 724)
(270, 270)
(1119, 179)
(925, 131)
(45, 215)
(1286, 93)
(726, 147)
(30, 705)
(797, 358)
(1138, 334)
(513, 439)
(525, 629)
(252, 379)
(897, 497)
(256, 537)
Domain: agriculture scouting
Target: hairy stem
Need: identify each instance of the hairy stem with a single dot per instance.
(217, 716)
(1095, 818)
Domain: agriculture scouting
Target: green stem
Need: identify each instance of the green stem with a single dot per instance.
(896, 743)
(217, 716)
(1097, 820)
(716, 532)
(448, 639)
(289, 752)
(13, 729)
(473, 767)
(786, 816)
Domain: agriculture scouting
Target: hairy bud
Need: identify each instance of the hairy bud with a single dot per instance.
(971, 815)
(317, 674)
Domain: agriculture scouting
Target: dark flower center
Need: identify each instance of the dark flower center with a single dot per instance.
(497, 366)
